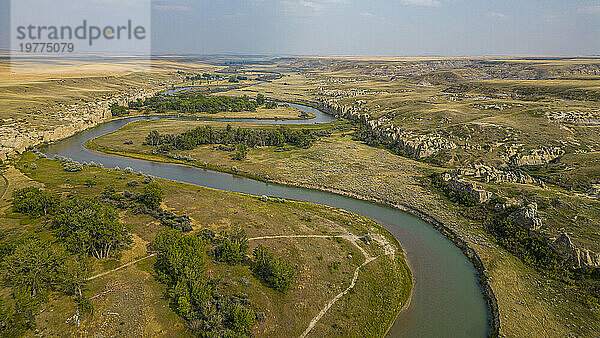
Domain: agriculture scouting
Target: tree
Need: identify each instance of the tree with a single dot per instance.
(242, 151)
(271, 105)
(14, 323)
(279, 273)
(193, 294)
(34, 267)
(232, 248)
(152, 195)
(153, 138)
(90, 227)
(241, 319)
(35, 202)
(260, 99)
(117, 110)
(180, 257)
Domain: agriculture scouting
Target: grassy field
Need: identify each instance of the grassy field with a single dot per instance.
(495, 110)
(138, 298)
(528, 303)
(280, 113)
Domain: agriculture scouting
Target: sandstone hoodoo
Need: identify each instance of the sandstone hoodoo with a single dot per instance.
(462, 186)
(527, 217)
(573, 255)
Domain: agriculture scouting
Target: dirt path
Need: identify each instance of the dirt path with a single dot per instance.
(121, 267)
(324, 310)
(350, 237)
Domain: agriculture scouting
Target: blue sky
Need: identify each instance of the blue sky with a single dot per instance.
(373, 27)
(382, 27)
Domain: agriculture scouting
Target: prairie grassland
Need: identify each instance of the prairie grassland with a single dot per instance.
(135, 302)
(493, 109)
(528, 300)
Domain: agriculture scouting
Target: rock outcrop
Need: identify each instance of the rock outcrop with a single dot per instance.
(575, 256)
(587, 118)
(539, 156)
(489, 174)
(411, 144)
(16, 137)
(462, 186)
(527, 217)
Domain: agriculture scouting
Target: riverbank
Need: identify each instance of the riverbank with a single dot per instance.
(287, 313)
(491, 301)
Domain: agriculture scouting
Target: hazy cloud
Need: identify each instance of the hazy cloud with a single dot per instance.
(592, 10)
(170, 6)
(423, 3)
(310, 4)
(497, 15)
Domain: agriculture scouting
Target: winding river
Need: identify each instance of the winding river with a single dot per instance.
(447, 300)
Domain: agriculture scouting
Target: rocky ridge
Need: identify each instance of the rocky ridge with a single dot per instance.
(538, 156)
(17, 136)
(575, 256)
(490, 174)
(411, 144)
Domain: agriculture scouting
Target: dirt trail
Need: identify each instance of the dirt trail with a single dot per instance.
(354, 240)
(350, 237)
(121, 267)
(323, 311)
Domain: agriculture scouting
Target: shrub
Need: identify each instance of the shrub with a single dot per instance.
(232, 248)
(278, 273)
(241, 153)
(241, 319)
(207, 235)
(152, 195)
(35, 202)
(70, 165)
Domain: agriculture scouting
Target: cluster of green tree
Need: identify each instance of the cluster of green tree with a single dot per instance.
(365, 135)
(231, 248)
(117, 110)
(190, 103)
(35, 202)
(460, 197)
(278, 273)
(250, 137)
(85, 225)
(193, 294)
(271, 105)
(204, 76)
(33, 267)
(528, 245)
(90, 227)
(370, 138)
(147, 202)
(534, 249)
(241, 153)
(260, 100)
(82, 228)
